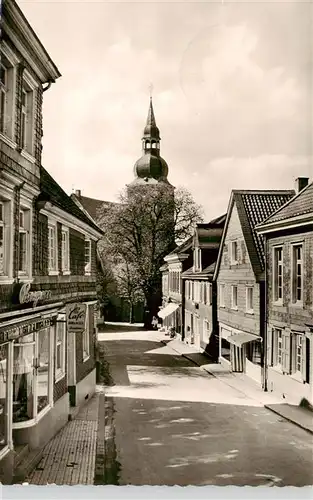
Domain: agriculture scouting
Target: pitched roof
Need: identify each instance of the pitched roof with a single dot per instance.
(205, 273)
(93, 206)
(253, 207)
(50, 190)
(300, 204)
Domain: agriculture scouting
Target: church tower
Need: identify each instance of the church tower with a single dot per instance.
(151, 168)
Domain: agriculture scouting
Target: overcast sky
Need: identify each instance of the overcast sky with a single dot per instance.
(232, 93)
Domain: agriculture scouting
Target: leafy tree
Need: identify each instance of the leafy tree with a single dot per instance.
(141, 230)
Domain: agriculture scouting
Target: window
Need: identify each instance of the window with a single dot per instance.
(197, 259)
(42, 356)
(23, 378)
(222, 295)
(209, 293)
(297, 273)
(86, 337)
(249, 299)
(298, 353)
(87, 256)
(2, 240)
(234, 252)
(3, 97)
(206, 330)
(277, 346)
(23, 242)
(3, 393)
(52, 245)
(60, 347)
(278, 274)
(27, 115)
(65, 250)
(234, 297)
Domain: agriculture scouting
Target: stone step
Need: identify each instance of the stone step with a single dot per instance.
(20, 452)
(25, 467)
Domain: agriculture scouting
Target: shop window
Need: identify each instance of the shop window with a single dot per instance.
(86, 337)
(23, 378)
(225, 349)
(253, 352)
(87, 256)
(42, 355)
(3, 394)
(60, 348)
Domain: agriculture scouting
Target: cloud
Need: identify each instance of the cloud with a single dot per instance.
(231, 94)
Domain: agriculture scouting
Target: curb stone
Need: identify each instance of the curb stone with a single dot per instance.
(268, 407)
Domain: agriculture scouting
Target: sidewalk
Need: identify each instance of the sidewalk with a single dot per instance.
(297, 415)
(70, 457)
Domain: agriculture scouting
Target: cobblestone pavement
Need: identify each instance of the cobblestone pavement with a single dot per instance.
(69, 458)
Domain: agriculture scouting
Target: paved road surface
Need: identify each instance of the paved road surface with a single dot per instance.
(172, 423)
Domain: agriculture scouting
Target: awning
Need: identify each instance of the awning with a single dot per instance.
(239, 339)
(167, 310)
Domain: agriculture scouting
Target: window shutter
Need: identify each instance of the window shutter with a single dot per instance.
(270, 345)
(303, 358)
(286, 351)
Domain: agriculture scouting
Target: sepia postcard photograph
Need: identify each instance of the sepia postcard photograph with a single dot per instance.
(156, 248)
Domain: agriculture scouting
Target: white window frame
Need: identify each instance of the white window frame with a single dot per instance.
(65, 249)
(87, 264)
(278, 347)
(25, 212)
(249, 309)
(234, 254)
(206, 329)
(86, 337)
(29, 86)
(295, 262)
(3, 98)
(53, 259)
(9, 60)
(209, 293)
(234, 303)
(278, 268)
(221, 289)
(60, 327)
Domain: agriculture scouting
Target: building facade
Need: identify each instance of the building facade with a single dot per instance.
(47, 263)
(199, 290)
(172, 310)
(288, 238)
(239, 276)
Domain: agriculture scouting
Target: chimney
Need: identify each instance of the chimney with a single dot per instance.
(78, 193)
(301, 183)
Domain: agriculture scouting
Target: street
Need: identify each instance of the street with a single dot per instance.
(172, 423)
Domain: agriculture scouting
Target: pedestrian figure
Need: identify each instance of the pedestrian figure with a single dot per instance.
(154, 323)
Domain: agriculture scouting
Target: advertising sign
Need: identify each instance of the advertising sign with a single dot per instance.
(76, 317)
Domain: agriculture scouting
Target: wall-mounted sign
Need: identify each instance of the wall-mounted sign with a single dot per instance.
(13, 332)
(76, 317)
(25, 295)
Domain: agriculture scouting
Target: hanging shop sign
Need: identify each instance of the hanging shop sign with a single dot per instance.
(76, 317)
(14, 331)
(26, 295)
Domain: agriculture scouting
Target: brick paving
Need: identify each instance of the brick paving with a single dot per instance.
(69, 458)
